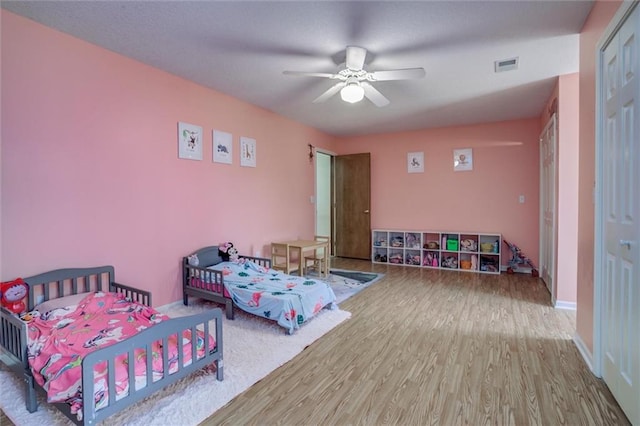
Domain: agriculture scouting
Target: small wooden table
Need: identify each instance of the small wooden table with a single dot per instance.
(300, 246)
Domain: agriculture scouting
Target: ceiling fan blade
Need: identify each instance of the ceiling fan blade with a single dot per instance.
(330, 92)
(355, 57)
(404, 74)
(310, 74)
(373, 95)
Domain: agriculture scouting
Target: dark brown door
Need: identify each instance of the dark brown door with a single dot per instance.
(352, 174)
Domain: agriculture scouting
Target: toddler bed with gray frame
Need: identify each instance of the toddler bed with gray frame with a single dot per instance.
(251, 285)
(62, 282)
(198, 281)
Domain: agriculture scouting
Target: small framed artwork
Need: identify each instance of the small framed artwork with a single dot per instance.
(462, 160)
(247, 152)
(222, 147)
(189, 141)
(415, 162)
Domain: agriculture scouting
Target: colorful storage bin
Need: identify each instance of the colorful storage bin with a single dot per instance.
(486, 247)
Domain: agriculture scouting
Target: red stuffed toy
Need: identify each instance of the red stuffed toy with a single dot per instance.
(13, 294)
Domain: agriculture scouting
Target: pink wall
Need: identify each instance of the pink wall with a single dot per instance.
(90, 173)
(568, 154)
(567, 101)
(505, 165)
(597, 21)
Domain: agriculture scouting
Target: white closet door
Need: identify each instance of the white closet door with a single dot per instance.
(621, 186)
(548, 206)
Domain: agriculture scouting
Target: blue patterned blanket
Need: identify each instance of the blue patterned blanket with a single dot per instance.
(289, 300)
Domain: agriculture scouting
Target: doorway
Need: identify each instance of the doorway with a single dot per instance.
(352, 183)
(617, 221)
(324, 195)
(342, 201)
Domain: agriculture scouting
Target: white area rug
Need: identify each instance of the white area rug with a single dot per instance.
(253, 347)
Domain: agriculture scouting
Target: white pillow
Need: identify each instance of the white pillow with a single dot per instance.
(61, 302)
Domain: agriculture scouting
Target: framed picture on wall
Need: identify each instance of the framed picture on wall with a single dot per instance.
(222, 147)
(189, 141)
(462, 160)
(415, 162)
(247, 152)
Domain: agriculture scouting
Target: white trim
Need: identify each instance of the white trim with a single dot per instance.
(316, 191)
(616, 22)
(614, 25)
(562, 304)
(325, 151)
(586, 355)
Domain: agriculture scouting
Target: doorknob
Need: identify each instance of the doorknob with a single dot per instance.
(627, 243)
(366, 212)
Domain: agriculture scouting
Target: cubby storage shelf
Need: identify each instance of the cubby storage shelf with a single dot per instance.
(460, 251)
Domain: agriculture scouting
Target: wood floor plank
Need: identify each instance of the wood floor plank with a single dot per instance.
(430, 347)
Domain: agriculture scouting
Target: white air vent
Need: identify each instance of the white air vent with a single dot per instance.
(507, 64)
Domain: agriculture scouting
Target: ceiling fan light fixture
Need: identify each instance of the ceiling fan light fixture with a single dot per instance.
(352, 93)
(354, 82)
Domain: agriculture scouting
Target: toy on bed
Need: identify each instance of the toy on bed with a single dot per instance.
(251, 285)
(13, 295)
(228, 252)
(118, 359)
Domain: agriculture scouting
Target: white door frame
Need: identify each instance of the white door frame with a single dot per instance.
(598, 274)
(316, 191)
(544, 186)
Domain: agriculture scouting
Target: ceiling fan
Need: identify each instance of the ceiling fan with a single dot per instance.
(354, 82)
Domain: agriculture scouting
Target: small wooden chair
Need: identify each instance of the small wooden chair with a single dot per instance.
(281, 258)
(316, 260)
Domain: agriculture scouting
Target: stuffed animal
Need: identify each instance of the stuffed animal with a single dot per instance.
(468, 245)
(233, 254)
(223, 250)
(228, 252)
(193, 260)
(13, 293)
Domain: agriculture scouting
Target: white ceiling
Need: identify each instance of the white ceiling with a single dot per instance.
(241, 48)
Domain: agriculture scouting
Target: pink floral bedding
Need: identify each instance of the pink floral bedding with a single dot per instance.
(59, 340)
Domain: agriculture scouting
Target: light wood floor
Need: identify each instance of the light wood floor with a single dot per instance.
(435, 348)
(4, 420)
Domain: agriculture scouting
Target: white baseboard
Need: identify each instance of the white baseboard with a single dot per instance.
(586, 354)
(520, 270)
(570, 306)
